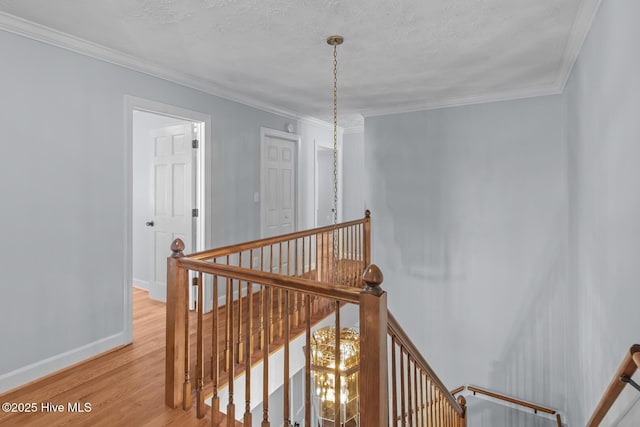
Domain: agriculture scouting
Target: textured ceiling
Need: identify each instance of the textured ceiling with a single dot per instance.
(398, 55)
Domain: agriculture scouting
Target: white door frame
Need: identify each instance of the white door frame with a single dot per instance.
(203, 239)
(264, 133)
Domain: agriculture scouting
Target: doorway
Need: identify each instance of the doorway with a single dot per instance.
(165, 205)
(167, 187)
(324, 187)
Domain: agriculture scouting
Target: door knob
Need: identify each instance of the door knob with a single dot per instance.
(150, 224)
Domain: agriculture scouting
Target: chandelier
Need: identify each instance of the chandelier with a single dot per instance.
(323, 367)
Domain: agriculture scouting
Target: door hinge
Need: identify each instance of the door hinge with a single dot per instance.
(194, 281)
(194, 143)
(194, 213)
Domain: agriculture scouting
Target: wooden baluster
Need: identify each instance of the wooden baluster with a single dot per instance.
(304, 256)
(394, 390)
(296, 316)
(428, 400)
(463, 403)
(280, 319)
(336, 372)
(450, 414)
(215, 366)
(200, 353)
(434, 406)
(310, 257)
(271, 298)
(239, 341)
(373, 389)
(423, 401)
(228, 330)
(252, 333)
(186, 389)
(307, 363)
(410, 393)
(353, 256)
(402, 385)
(177, 301)
(263, 313)
(440, 409)
(340, 256)
(247, 357)
(213, 323)
(286, 384)
(416, 395)
(231, 407)
(320, 255)
(265, 363)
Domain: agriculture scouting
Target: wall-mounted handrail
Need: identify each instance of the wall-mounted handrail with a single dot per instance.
(628, 367)
(535, 407)
(509, 399)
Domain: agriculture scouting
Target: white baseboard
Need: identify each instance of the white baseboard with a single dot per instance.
(141, 283)
(36, 370)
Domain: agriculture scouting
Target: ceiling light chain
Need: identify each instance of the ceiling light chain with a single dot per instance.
(335, 41)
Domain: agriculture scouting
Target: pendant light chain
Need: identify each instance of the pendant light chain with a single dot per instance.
(335, 136)
(335, 41)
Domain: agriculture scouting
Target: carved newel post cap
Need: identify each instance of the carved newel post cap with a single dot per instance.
(462, 401)
(372, 277)
(177, 247)
(367, 213)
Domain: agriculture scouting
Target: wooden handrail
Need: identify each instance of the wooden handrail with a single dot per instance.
(499, 396)
(225, 250)
(396, 330)
(296, 284)
(628, 367)
(536, 408)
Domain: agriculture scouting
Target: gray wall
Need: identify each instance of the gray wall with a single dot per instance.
(353, 196)
(602, 119)
(62, 181)
(469, 222)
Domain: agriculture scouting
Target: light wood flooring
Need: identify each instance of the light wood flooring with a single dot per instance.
(125, 386)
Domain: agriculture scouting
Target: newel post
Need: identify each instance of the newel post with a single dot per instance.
(366, 237)
(373, 390)
(463, 404)
(177, 296)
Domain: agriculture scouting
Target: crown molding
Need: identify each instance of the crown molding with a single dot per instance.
(587, 12)
(41, 33)
(463, 101)
(354, 130)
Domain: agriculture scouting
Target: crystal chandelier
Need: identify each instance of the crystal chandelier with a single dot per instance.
(323, 366)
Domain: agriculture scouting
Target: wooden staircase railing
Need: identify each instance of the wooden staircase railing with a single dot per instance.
(627, 369)
(418, 397)
(273, 290)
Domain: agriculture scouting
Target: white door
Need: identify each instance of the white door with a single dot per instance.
(280, 184)
(278, 190)
(172, 196)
